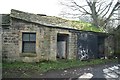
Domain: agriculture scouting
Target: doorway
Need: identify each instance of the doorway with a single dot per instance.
(62, 46)
(101, 46)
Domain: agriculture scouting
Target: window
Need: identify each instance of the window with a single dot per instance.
(29, 42)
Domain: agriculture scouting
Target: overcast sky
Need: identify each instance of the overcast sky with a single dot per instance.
(48, 7)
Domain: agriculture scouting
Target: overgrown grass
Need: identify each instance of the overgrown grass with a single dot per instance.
(86, 26)
(54, 65)
(27, 70)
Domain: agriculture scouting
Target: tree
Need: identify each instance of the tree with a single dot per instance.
(100, 11)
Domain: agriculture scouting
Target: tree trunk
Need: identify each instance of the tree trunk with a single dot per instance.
(95, 22)
(94, 15)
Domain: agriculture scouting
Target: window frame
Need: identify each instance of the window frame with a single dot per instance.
(34, 41)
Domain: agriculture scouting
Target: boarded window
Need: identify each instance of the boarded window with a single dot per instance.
(29, 42)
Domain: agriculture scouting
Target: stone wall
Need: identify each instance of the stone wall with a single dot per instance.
(46, 41)
(10, 42)
(117, 41)
(110, 46)
(73, 46)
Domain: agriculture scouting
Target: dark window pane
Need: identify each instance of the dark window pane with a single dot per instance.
(32, 47)
(25, 47)
(32, 37)
(25, 37)
(28, 46)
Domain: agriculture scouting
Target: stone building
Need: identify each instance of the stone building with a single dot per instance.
(117, 41)
(34, 37)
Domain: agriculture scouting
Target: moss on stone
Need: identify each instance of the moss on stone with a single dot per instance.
(53, 21)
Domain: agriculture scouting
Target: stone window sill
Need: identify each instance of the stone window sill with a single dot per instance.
(28, 55)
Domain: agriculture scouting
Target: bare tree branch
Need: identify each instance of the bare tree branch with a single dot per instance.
(99, 5)
(108, 9)
(89, 3)
(98, 10)
(104, 8)
(81, 7)
(114, 9)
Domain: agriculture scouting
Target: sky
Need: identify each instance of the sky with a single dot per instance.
(48, 7)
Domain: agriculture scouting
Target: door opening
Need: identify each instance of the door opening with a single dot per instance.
(101, 47)
(62, 46)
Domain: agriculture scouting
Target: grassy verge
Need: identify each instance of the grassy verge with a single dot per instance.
(29, 68)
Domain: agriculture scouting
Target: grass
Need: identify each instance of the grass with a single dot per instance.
(27, 70)
(55, 65)
(86, 26)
